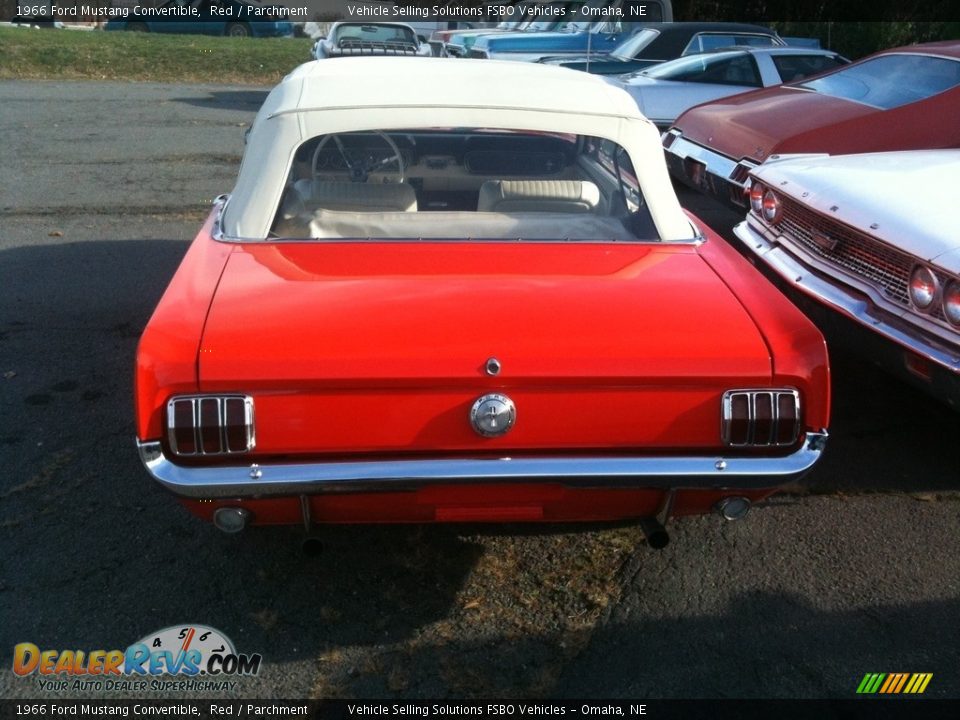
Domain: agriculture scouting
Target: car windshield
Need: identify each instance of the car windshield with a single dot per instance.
(696, 68)
(890, 81)
(374, 34)
(631, 47)
(462, 183)
(728, 68)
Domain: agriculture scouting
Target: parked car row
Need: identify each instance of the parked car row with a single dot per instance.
(849, 178)
(898, 99)
(654, 43)
(234, 18)
(665, 91)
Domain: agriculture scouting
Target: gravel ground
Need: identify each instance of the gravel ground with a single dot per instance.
(104, 185)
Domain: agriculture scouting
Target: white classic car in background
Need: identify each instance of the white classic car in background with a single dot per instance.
(666, 90)
(358, 38)
(871, 238)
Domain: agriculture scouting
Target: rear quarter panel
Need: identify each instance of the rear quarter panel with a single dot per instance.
(797, 347)
(167, 354)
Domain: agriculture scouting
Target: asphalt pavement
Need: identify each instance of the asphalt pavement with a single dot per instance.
(103, 186)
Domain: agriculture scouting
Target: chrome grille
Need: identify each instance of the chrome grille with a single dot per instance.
(357, 46)
(881, 265)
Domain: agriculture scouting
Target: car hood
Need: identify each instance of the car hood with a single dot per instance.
(904, 198)
(761, 123)
(634, 340)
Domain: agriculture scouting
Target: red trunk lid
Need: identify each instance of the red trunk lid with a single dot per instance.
(381, 347)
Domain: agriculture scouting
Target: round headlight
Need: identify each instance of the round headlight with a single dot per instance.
(771, 206)
(923, 287)
(756, 197)
(951, 303)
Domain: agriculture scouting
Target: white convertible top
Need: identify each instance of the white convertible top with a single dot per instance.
(446, 82)
(384, 93)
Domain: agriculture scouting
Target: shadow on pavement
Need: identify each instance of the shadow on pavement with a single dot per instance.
(768, 644)
(228, 99)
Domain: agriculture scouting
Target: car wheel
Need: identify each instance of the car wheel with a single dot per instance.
(238, 30)
(137, 27)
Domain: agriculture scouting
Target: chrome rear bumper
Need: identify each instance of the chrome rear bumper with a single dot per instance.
(706, 472)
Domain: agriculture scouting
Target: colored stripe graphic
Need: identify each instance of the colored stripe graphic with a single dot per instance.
(894, 683)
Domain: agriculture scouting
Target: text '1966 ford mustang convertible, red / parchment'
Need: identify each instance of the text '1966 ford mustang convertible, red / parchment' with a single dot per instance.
(470, 298)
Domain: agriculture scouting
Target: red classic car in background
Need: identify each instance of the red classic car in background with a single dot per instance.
(415, 309)
(901, 99)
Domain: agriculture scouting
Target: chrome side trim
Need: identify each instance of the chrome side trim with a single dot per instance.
(891, 326)
(706, 472)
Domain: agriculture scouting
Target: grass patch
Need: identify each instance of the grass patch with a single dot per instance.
(121, 55)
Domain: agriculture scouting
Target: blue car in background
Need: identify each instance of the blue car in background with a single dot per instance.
(235, 18)
(598, 27)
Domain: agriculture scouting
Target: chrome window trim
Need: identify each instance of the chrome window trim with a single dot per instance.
(291, 479)
(220, 205)
(777, 41)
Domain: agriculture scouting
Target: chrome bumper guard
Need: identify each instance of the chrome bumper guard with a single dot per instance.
(707, 171)
(835, 296)
(709, 473)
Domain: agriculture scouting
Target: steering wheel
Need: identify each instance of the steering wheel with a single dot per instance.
(360, 168)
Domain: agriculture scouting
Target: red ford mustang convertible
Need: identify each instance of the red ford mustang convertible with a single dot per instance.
(470, 298)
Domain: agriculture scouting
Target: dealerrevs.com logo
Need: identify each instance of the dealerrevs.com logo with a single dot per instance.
(201, 657)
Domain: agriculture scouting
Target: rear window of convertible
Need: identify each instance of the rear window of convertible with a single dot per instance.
(457, 183)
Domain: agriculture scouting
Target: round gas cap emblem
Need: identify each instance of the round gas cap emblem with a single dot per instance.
(493, 415)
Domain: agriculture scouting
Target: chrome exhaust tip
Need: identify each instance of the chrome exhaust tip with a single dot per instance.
(657, 536)
(733, 508)
(231, 519)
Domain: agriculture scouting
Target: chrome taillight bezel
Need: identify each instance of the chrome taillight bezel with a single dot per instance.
(220, 437)
(757, 401)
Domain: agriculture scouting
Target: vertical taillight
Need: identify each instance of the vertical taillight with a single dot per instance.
(210, 424)
(760, 418)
